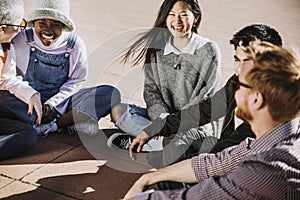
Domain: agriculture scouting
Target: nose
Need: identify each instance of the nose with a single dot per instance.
(237, 68)
(178, 18)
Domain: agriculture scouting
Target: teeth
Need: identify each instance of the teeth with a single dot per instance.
(47, 37)
(177, 27)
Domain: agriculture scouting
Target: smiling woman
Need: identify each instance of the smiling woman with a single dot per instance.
(53, 60)
(181, 68)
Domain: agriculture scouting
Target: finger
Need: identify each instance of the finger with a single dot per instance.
(39, 116)
(131, 152)
(139, 147)
(46, 118)
(30, 107)
(39, 113)
(131, 149)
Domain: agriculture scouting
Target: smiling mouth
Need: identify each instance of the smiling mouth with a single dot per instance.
(48, 37)
(177, 28)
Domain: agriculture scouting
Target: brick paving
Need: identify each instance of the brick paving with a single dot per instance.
(66, 166)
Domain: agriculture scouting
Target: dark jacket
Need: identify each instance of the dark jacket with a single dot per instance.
(211, 109)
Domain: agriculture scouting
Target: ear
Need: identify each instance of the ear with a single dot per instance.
(196, 19)
(2, 28)
(257, 100)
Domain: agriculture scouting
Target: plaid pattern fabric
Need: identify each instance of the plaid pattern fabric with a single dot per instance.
(267, 168)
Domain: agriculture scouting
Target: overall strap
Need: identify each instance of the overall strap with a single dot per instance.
(71, 41)
(29, 35)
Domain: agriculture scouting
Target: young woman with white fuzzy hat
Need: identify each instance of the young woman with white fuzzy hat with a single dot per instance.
(15, 136)
(54, 62)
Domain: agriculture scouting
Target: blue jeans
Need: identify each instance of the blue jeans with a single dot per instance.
(96, 102)
(133, 121)
(15, 138)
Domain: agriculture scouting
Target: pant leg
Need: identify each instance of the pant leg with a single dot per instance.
(96, 102)
(182, 145)
(134, 120)
(15, 138)
(169, 185)
(13, 108)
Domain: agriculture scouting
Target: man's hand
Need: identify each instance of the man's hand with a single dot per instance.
(49, 113)
(35, 103)
(138, 143)
(138, 187)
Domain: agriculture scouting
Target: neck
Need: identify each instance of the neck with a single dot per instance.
(180, 43)
(263, 124)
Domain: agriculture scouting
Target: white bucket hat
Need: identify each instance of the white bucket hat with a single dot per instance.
(51, 9)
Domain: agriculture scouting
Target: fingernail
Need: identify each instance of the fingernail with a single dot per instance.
(29, 113)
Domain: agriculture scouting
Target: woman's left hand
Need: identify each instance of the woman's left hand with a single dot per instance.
(49, 113)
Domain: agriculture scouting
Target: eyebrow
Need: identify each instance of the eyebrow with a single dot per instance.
(183, 11)
(237, 58)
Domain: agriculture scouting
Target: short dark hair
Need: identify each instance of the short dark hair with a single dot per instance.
(253, 32)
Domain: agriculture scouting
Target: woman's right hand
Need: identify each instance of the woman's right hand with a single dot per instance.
(35, 103)
(138, 143)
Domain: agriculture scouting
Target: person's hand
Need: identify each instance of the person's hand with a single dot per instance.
(49, 113)
(137, 187)
(35, 103)
(138, 143)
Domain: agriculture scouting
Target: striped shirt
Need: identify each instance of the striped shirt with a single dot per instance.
(267, 168)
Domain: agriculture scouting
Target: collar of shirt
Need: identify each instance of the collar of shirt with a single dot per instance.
(1, 51)
(189, 49)
(4, 51)
(276, 135)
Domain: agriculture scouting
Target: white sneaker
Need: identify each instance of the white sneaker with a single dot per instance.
(44, 129)
(89, 127)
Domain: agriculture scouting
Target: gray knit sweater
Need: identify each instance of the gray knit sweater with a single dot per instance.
(198, 75)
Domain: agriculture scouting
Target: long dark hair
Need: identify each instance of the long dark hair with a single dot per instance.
(157, 36)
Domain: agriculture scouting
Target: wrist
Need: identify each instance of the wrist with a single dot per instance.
(147, 180)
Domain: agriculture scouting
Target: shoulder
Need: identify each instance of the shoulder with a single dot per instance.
(206, 44)
(79, 46)
(79, 42)
(20, 38)
(284, 154)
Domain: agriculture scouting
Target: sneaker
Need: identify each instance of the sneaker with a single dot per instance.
(89, 127)
(121, 140)
(44, 129)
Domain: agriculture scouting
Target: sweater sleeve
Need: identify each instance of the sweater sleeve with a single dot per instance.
(207, 110)
(152, 91)
(10, 82)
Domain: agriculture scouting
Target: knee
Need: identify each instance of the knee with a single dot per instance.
(112, 93)
(117, 111)
(30, 134)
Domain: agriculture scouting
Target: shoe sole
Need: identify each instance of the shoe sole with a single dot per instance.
(112, 137)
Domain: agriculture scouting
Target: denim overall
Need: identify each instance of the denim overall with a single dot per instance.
(46, 73)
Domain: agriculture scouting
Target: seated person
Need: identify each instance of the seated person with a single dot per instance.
(263, 168)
